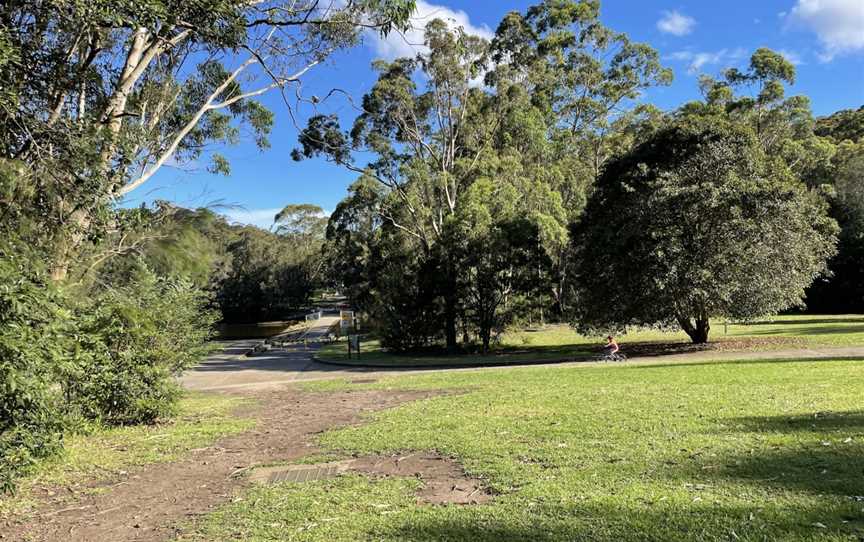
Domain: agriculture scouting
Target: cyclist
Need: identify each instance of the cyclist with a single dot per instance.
(611, 346)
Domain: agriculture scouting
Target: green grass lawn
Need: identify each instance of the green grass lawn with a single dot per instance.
(559, 342)
(710, 451)
(201, 420)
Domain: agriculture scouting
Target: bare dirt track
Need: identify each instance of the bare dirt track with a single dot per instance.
(153, 503)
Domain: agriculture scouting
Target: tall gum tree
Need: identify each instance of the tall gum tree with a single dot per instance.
(428, 133)
(558, 93)
(570, 88)
(108, 92)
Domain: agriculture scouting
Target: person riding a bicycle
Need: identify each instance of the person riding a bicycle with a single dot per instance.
(611, 346)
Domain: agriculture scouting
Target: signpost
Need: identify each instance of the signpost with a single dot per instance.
(354, 344)
(347, 322)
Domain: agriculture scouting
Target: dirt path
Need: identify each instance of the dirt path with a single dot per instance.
(153, 502)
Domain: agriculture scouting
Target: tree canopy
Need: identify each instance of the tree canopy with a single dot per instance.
(529, 118)
(697, 223)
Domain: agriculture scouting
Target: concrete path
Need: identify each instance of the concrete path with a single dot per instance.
(232, 369)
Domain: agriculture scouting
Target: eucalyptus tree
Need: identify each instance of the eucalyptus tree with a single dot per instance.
(502, 262)
(557, 90)
(694, 223)
(303, 227)
(571, 87)
(108, 92)
(757, 97)
(352, 230)
(427, 123)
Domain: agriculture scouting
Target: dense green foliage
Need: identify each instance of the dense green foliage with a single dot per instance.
(109, 356)
(826, 154)
(101, 307)
(464, 218)
(467, 227)
(132, 341)
(31, 356)
(696, 223)
(75, 74)
(252, 274)
(843, 179)
(265, 280)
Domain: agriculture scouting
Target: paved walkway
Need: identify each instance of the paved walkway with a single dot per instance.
(232, 369)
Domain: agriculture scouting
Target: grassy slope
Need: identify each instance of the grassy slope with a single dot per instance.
(718, 451)
(555, 343)
(201, 420)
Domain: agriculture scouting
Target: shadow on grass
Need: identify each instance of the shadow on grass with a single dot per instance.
(745, 362)
(823, 456)
(835, 469)
(799, 322)
(817, 422)
(437, 358)
(810, 331)
(640, 522)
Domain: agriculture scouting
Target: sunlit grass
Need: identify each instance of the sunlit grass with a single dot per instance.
(101, 451)
(713, 451)
(561, 342)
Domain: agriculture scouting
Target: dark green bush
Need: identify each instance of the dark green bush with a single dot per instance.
(134, 340)
(407, 313)
(33, 344)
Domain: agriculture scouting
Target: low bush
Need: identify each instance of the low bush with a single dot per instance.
(134, 341)
(110, 357)
(32, 348)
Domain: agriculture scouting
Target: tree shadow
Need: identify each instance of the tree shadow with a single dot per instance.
(835, 469)
(813, 321)
(803, 330)
(824, 457)
(744, 362)
(654, 521)
(817, 422)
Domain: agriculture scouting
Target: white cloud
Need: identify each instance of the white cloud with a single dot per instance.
(263, 218)
(410, 42)
(697, 60)
(676, 23)
(791, 56)
(839, 24)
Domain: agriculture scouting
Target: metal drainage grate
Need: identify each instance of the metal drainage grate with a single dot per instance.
(300, 473)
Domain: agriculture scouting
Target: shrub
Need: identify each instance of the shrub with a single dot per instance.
(134, 340)
(32, 347)
(407, 314)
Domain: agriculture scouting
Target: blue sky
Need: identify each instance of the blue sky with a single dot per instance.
(825, 38)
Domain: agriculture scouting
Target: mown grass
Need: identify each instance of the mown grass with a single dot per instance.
(104, 451)
(561, 342)
(706, 451)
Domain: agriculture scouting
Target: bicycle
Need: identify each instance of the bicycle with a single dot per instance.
(614, 356)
